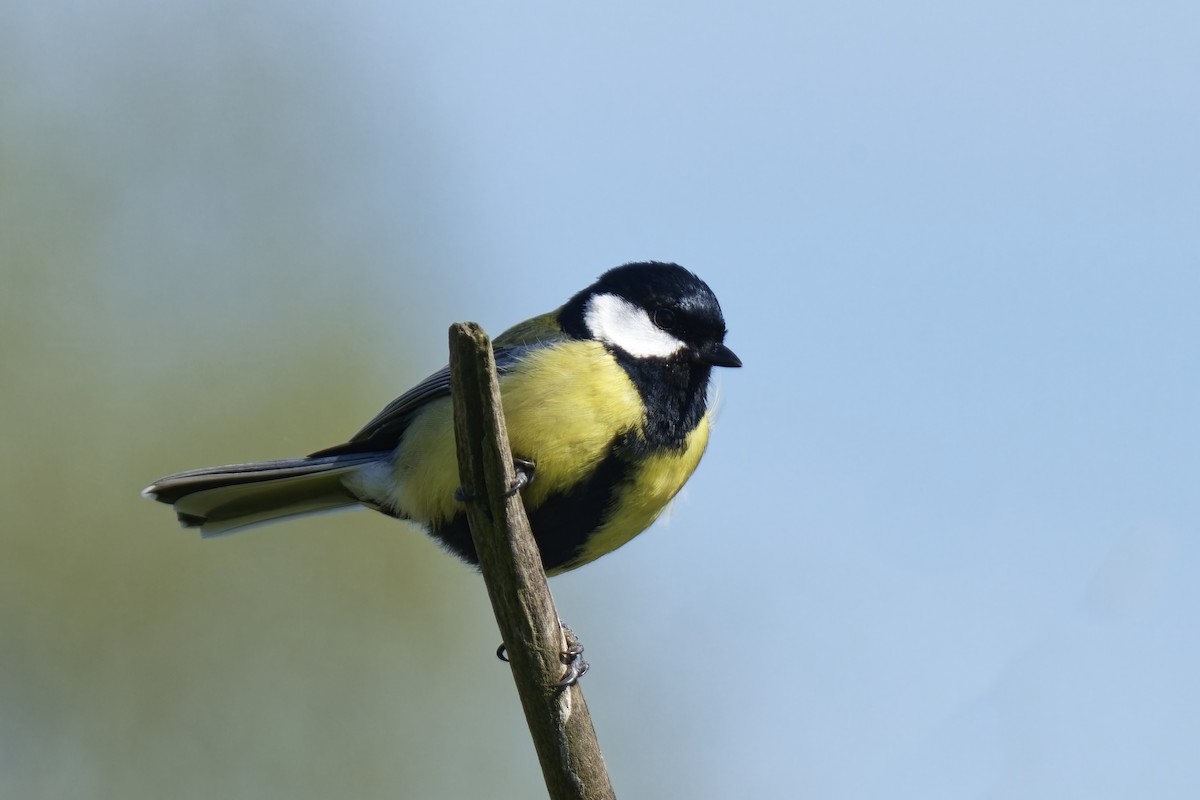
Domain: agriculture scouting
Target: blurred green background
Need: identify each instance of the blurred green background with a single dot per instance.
(194, 271)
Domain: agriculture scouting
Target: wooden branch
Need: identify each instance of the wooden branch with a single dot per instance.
(558, 718)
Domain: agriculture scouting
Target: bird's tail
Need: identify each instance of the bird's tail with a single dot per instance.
(221, 500)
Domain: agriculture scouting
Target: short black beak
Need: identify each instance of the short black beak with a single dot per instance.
(718, 355)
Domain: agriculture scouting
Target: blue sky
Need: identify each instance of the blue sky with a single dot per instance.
(944, 543)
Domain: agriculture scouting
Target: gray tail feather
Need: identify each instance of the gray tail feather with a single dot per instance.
(221, 500)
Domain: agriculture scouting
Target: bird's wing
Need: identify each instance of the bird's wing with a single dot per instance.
(385, 431)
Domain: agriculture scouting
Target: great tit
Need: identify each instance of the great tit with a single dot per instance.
(606, 404)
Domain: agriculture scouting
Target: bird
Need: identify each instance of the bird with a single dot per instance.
(606, 402)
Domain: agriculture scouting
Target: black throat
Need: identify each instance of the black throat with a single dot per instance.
(675, 392)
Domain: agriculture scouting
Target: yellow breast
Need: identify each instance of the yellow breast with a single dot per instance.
(655, 481)
(562, 405)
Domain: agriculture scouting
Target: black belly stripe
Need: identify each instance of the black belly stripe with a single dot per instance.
(561, 525)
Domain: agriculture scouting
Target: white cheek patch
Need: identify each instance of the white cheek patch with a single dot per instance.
(616, 321)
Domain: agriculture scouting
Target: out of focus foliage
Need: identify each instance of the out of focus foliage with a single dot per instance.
(190, 256)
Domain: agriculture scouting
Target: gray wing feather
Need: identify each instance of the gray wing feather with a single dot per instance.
(385, 430)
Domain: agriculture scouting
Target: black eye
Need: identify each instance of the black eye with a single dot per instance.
(664, 318)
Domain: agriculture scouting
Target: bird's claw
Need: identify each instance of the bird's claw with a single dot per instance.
(523, 468)
(572, 658)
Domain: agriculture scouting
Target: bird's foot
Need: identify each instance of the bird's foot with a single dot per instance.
(572, 658)
(523, 468)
